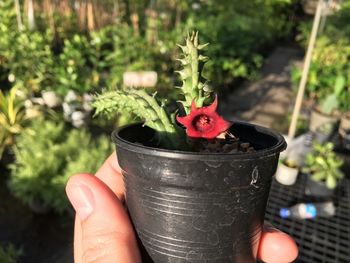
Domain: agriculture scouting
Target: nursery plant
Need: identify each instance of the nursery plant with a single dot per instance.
(10, 254)
(287, 171)
(328, 84)
(191, 174)
(323, 165)
(12, 117)
(46, 155)
(328, 81)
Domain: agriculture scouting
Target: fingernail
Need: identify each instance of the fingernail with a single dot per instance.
(82, 199)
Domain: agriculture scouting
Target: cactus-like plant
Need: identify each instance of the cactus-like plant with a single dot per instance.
(195, 91)
(146, 107)
(194, 85)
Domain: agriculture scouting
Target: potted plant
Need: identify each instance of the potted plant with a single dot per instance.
(46, 155)
(344, 123)
(323, 167)
(324, 132)
(326, 113)
(345, 119)
(287, 172)
(309, 6)
(51, 99)
(346, 139)
(196, 185)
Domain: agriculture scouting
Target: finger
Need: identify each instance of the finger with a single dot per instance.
(110, 174)
(106, 231)
(276, 247)
(78, 246)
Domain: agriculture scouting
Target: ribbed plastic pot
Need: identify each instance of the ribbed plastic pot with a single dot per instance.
(197, 207)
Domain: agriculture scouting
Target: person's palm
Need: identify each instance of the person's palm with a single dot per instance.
(103, 231)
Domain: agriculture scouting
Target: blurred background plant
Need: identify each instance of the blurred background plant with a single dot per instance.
(46, 154)
(10, 254)
(12, 117)
(92, 45)
(329, 77)
(323, 164)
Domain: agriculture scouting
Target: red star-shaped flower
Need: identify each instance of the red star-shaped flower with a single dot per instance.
(204, 122)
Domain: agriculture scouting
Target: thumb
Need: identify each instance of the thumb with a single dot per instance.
(106, 232)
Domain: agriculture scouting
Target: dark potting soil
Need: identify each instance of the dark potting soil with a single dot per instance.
(42, 238)
(227, 143)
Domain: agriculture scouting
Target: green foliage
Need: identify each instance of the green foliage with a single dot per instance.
(239, 32)
(329, 76)
(331, 102)
(26, 57)
(71, 71)
(59, 58)
(130, 52)
(46, 154)
(323, 164)
(12, 117)
(9, 254)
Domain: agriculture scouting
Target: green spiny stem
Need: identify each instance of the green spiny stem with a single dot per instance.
(144, 106)
(194, 87)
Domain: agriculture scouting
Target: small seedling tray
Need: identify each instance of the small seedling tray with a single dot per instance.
(321, 240)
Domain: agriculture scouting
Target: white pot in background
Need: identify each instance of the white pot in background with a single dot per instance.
(344, 124)
(71, 97)
(68, 110)
(87, 101)
(78, 119)
(39, 101)
(286, 175)
(51, 99)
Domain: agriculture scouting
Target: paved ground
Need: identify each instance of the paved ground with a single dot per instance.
(267, 100)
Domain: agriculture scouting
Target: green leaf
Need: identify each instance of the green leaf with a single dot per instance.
(339, 85)
(318, 176)
(331, 182)
(329, 104)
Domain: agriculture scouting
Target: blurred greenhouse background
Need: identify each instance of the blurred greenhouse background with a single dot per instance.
(56, 55)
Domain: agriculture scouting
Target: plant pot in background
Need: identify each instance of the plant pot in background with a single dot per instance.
(317, 189)
(202, 207)
(344, 124)
(346, 140)
(51, 99)
(309, 6)
(285, 174)
(319, 119)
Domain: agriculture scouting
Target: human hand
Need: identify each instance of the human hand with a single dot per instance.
(103, 231)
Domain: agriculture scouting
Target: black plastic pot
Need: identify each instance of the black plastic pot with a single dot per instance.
(198, 207)
(317, 189)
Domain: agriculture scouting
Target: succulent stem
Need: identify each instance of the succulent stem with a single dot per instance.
(145, 107)
(194, 86)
